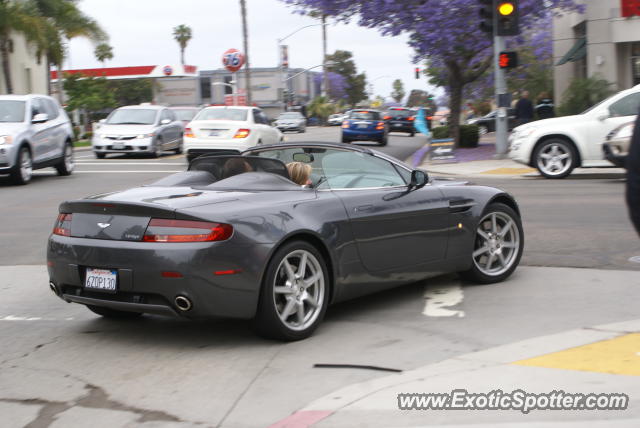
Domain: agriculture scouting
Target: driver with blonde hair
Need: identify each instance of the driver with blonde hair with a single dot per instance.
(300, 173)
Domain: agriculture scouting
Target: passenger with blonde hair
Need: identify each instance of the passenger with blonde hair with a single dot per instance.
(299, 173)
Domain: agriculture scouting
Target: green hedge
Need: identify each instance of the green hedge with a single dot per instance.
(469, 135)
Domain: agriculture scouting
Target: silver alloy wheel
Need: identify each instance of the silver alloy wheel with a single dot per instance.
(497, 244)
(483, 130)
(554, 159)
(26, 166)
(69, 161)
(299, 290)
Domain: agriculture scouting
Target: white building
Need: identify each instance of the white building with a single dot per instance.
(604, 41)
(29, 74)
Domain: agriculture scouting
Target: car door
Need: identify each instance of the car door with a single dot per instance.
(394, 227)
(165, 129)
(56, 128)
(41, 139)
(620, 112)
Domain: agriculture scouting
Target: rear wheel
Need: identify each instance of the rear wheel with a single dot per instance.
(384, 140)
(100, 155)
(412, 134)
(483, 130)
(67, 164)
(112, 313)
(294, 294)
(23, 169)
(498, 245)
(345, 140)
(180, 148)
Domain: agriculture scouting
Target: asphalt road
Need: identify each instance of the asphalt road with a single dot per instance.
(61, 365)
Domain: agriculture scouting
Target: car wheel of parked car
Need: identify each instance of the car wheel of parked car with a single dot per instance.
(346, 140)
(498, 245)
(112, 313)
(23, 170)
(154, 148)
(179, 149)
(100, 155)
(555, 158)
(294, 294)
(483, 130)
(67, 164)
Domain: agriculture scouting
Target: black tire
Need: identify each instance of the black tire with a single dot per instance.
(179, 149)
(412, 134)
(154, 149)
(475, 274)
(112, 313)
(346, 140)
(267, 321)
(566, 147)
(384, 140)
(66, 165)
(16, 175)
(100, 155)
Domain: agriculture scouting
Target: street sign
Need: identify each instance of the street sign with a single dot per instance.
(233, 60)
(229, 100)
(442, 151)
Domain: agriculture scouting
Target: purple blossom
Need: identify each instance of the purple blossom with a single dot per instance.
(338, 85)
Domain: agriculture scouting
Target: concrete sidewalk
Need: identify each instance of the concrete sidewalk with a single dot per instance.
(601, 359)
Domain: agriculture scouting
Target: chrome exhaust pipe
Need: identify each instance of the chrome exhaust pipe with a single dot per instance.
(183, 303)
(53, 288)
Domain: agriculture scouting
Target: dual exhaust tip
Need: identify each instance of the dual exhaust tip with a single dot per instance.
(183, 303)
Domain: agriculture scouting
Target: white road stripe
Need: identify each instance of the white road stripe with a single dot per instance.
(17, 318)
(437, 299)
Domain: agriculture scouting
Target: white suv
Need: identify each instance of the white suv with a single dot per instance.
(557, 146)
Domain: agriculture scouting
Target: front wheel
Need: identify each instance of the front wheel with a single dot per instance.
(23, 169)
(100, 155)
(555, 158)
(67, 163)
(483, 130)
(294, 294)
(498, 245)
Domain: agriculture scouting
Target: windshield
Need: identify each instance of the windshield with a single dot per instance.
(12, 111)
(235, 114)
(593, 107)
(185, 114)
(290, 116)
(130, 116)
(365, 115)
(400, 113)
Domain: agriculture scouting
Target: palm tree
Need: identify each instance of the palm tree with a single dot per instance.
(321, 107)
(103, 53)
(15, 17)
(182, 34)
(62, 20)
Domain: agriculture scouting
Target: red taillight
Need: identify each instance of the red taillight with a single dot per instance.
(165, 230)
(189, 133)
(411, 118)
(242, 133)
(63, 225)
(345, 124)
(380, 126)
(387, 117)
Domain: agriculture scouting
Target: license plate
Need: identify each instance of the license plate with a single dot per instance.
(214, 133)
(397, 124)
(117, 146)
(101, 279)
(363, 125)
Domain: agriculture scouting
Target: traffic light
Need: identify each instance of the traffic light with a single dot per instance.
(508, 59)
(508, 18)
(487, 15)
(417, 72)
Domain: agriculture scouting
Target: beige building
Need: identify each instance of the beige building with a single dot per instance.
(29, 74)
(604, 40)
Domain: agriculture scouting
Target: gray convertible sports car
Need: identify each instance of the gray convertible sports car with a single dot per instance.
(234, 237)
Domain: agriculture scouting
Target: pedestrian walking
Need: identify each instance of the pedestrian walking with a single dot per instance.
(524, 109)
(633, 177)
(545, 108)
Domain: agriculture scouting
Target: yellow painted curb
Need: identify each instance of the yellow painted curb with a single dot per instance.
(507, 171)
(620, 356)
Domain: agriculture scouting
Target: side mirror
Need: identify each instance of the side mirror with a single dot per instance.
(165, 122)
(40, 118)
(102, 121)
(604, 116)
(418, 179)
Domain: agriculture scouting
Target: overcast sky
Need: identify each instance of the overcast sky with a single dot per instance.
(140, 32)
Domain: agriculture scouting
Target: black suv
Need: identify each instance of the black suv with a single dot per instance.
(400, 119)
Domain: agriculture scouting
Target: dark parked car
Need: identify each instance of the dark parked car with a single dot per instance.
(365, 125)
(487, 123)
(401, 120)
(234, 237)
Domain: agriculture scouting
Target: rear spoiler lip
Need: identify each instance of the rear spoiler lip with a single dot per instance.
(87, 206)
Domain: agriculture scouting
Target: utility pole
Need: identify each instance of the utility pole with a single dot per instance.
(245, 36)
(502, 99)
(325, 73)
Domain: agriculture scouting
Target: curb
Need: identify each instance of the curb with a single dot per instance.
(503, 355)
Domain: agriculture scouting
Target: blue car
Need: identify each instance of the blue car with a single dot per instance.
(365, 125)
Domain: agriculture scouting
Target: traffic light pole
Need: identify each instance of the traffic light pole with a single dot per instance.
(502, 118)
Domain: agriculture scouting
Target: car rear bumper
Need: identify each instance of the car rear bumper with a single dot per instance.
(401, 127)
(365, 135)
(210, 275)
(195, 145)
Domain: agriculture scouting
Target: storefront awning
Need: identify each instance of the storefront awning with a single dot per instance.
(576, 53)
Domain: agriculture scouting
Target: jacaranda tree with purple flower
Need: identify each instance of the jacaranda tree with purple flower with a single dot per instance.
(444, 32)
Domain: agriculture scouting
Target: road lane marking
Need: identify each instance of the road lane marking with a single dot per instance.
(618, 356)
(439, 298)
(18, 318)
